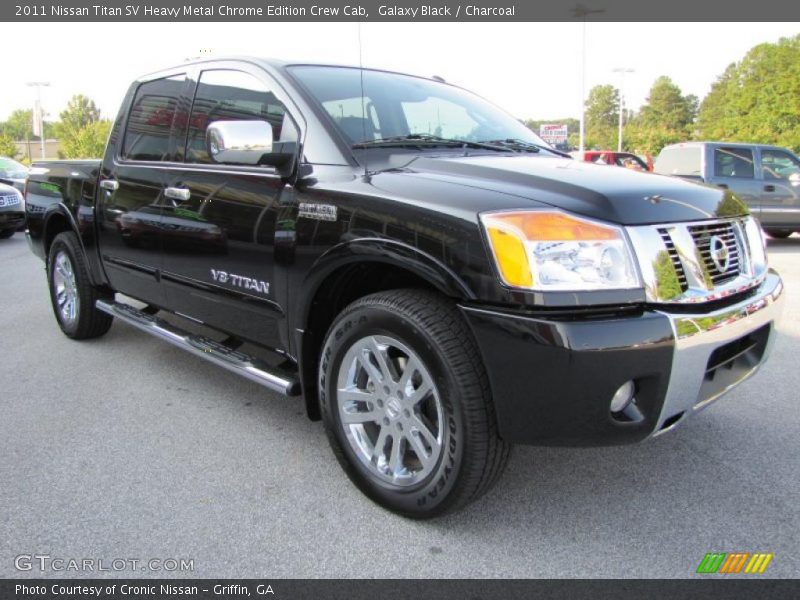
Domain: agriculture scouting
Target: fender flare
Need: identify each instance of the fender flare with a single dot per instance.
(379, 250)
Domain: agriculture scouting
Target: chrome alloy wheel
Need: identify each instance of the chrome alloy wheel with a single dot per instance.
(66, 288)
(390, 410)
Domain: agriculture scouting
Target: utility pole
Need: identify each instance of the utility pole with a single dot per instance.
(582, 12)
(38, 113)
(621, 71)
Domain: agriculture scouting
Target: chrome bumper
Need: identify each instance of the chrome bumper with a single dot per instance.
(698, 336)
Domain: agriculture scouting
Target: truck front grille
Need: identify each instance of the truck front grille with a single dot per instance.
(8, 200)
(699, 261)
(719, 235)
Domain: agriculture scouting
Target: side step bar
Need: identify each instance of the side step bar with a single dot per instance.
(242, 364)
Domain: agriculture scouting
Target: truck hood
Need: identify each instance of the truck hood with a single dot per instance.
(602, 192)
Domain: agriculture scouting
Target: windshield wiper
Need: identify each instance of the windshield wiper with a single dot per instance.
(415, 140)
(522, 145)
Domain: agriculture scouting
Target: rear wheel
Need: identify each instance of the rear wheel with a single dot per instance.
(71, 292)
(779, 234)
(406, 404)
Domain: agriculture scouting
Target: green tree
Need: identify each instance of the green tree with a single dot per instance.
(602, 114)
(7, 147)
(667, 107)
(758, 98)
(79, 113)
(80, 131)
(19, 125)
(87, 142)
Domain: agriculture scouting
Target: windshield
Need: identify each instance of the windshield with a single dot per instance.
(397, 105)
(12, 169)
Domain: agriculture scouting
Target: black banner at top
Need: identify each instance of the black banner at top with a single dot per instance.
(400, 10)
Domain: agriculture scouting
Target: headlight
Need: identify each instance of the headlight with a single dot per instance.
(553, 251)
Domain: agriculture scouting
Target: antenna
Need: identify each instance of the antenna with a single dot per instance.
(363, 106)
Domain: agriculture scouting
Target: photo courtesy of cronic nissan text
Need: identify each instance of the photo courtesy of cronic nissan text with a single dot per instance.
(333, 299)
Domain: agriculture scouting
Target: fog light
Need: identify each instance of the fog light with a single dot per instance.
(622, 397)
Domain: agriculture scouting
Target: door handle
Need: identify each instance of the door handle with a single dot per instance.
(769, 188)
(724, 186)
(176, 193)
(112, 185)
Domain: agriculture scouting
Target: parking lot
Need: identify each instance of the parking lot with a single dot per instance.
(126, 447)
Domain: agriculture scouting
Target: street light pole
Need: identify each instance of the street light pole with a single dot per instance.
(38, 113)
(621, 71)
(582, 12)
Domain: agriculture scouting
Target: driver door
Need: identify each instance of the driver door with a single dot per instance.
(218, 232)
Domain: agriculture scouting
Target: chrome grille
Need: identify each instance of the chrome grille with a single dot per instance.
(9, 200)
(703, 236)
(699, 261)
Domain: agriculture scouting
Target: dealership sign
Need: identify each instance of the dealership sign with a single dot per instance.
(553, 133)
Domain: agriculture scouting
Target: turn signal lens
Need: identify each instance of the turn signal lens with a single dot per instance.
(511, 258)
(551, 250)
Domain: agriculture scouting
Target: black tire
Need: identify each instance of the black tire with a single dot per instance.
(88, 322)
(472, 455)
(779, 234)
(6, 233)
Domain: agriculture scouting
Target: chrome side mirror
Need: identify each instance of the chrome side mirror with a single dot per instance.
(239, 142)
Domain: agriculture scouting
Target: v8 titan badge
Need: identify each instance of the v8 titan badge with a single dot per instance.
(247, 283)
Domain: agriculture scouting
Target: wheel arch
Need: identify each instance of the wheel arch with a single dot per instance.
(351, 271)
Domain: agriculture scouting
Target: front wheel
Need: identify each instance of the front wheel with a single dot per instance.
(71, 292)
(6, 233)
(406, 404)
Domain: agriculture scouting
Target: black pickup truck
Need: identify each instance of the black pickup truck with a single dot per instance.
(435, 281)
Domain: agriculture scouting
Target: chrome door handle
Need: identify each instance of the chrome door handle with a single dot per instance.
(176, 193)
(112, 185)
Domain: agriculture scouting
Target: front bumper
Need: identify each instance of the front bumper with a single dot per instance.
(12, 219)
(553, 378)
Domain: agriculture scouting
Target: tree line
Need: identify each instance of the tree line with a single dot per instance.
(80, 130)
(754, 100)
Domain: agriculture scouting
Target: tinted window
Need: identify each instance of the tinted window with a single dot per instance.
(685, 160)
(150, 119)
(733, 162)
(776, 164)
(398, 105)
(233, 96)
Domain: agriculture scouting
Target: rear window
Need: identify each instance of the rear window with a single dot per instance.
(733, 162)
(679, 160)
(150, 119)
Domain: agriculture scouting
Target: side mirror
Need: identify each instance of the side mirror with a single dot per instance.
(249, 143)
(239, 142)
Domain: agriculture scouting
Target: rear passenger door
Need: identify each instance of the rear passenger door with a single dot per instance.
(130, 201)
(220, 222)
(734, 168)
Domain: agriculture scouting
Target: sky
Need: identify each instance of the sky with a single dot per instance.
(530, 69)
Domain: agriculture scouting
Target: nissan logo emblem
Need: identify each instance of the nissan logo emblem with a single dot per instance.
(720, 255)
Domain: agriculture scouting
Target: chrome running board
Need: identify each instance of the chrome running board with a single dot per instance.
(242, 364)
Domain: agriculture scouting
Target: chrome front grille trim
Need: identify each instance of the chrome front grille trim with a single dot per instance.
(699, 261)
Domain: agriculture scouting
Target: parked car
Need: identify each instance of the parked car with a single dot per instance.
(12, 211)
(13, 172)
(766, 177)
(435, 297)
(613, 158)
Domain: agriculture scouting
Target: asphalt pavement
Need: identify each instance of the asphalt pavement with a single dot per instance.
(127, 448)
